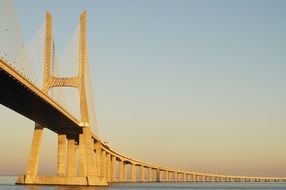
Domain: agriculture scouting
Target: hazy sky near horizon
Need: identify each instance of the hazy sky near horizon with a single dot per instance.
(196, 84)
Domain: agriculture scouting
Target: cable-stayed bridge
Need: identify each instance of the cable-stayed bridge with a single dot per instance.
(57, 94)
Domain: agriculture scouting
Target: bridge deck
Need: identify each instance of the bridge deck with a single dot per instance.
(13, 91)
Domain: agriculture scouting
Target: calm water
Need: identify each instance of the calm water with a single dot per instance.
(7, 183)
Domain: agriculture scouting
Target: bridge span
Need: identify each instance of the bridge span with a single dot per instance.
(82, 158)
(36, 106)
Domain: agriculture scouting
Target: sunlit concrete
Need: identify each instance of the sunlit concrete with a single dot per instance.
(96, 161)
(62, 151)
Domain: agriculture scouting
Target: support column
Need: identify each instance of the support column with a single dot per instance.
(124, 172)
(108, 163)
(150, 172)
(98, 159)
(194, 178)
(82, 159)
(175, 176)
(90, 169)
(121, 172)
(203, 178)
(133, 173)
(34, 156)
(113, 168)
(103, 164)
(33, 162)
(86, 165)
(62, 153)
(185, 177)
(158, 175)
(215, 179)
(142, 174)
(222, 179)
(71, 157)
(167, 176)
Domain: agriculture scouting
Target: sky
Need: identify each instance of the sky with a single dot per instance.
(189, 84)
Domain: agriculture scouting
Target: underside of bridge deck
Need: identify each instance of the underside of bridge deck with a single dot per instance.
(12, 94)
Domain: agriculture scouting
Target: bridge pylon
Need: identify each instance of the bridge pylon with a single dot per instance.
(69, 172)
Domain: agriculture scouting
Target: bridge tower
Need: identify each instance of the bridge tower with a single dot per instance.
(68, 144)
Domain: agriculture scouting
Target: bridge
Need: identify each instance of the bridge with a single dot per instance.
(82, 157)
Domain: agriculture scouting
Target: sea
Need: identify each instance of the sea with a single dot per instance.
(7, 183)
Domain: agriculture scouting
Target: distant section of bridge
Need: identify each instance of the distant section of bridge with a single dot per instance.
(82, 158)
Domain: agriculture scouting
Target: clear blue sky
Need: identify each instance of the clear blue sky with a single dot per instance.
(188, 84)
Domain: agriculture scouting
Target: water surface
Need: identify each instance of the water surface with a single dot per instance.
(7, 183)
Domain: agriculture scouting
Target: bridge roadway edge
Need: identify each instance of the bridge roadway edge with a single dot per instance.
(15, 88)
